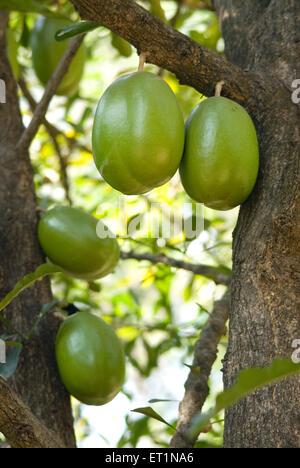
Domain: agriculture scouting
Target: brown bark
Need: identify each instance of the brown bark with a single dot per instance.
(52, 85)
(36, 380)
(21, 427)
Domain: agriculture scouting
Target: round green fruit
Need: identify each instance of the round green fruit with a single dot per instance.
(221, 157)
(138, 133)
(47, 53)
(90, 359)
(69, 238)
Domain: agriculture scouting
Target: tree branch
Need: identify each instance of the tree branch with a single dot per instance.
(50, 90)
(53, 133)
(63, 166)
(52, 129)
(168, 48)
(220, 275)
(196, 387)
(20, 427)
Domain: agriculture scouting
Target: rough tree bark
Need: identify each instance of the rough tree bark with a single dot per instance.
(36, 381)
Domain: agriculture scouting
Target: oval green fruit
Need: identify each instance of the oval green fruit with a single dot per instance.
(90, 359)
(47, 53)
(69, 238)
(138, 133)
(221, 157)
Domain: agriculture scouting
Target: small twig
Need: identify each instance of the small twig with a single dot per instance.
(196, 387)
(208, 271)
(143, 58)
(219, 87)
(40, 210)
(10, 327)
(53, 133)
(55, 80)
(63, 166)
(49, 126)
(33, 105)
(18, 424)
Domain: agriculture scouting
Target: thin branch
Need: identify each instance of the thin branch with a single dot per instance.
(168, 48)
(53, 133)
(196, 386)
(19, 426)
(52, 129)
(50, 90)
(63, 166)
(214, 273)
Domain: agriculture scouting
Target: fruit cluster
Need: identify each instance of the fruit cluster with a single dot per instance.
(139, 142)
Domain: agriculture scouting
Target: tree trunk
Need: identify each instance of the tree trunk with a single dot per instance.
(36, 380)
(261, 37)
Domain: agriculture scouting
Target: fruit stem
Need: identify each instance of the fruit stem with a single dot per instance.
(143, 57)
(219, 87)
(40, 210)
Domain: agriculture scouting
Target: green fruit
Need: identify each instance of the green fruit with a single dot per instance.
(47, 53)
(90, 359)
(220, 163)
(121, 45)
(69, 238)
(138, 133)
(12, 50)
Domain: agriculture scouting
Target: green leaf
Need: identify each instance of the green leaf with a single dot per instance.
(27, 6)
(156, 400)
(42, 313)
(148, 411)
(6, 322)
(194, 369)
(123, 47)
(247, 382)
(28, 281)
(75, 29)
(157, 10)
(12, 359)
(25, 37)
